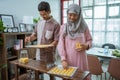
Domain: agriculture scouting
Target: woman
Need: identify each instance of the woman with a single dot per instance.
(75, 39)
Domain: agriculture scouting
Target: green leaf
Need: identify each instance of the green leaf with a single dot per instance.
(3, 66)
(2, 27)
(35, 20)
(1, 41)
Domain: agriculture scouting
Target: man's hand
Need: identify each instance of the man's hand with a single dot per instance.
(54, 43)
(27, 39)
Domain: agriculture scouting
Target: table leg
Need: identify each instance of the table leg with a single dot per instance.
(16, 72)
(52, 77)
(36, 75)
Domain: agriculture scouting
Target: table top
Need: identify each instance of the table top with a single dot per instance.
(100, 52)
(41, 67)
(32, 64)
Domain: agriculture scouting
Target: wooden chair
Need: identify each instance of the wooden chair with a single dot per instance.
(95, 67)
(114, 69)
(111, 46)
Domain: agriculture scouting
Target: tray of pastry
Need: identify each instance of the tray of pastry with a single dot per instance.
(39, 46)
(58, 70)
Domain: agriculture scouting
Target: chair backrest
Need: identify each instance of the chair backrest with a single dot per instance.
(94, 65)
(114, 68)
(111, 46)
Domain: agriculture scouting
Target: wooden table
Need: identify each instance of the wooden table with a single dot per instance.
(40, 67)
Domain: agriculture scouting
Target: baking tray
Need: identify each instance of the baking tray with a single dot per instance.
(58, 70)
(39, 46)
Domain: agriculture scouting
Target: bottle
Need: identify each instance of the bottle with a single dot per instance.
(106, 50)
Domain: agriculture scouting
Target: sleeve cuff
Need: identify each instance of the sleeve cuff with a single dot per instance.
(88, 46)
(63, 58)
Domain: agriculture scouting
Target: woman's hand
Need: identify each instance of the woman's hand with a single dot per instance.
(82, 47)
(65, 64)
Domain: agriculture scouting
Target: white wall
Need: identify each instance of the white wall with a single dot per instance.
(20, 8)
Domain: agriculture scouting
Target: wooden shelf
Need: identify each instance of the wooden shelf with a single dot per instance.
(16, 33)
(12, 57)
(22, 77)
(9, 42)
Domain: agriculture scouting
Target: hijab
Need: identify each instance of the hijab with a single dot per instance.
(74, 29)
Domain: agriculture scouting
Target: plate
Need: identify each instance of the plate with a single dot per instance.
(39, 46)
(58, 70)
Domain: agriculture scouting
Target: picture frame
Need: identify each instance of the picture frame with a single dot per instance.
(30, 27)
(8, 20)
(5, 30)
(22, 27)
(9, 29)
(15, 29)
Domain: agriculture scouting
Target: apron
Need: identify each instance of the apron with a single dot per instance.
(40, 28)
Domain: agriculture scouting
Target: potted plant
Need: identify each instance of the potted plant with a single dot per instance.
(1, 44)
(35, 20)
(2, 27)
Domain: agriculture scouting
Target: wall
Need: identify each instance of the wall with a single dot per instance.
(20, 8)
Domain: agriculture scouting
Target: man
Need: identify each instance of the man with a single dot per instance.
(46, 32)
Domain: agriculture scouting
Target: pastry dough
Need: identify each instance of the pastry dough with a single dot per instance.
(24, 60)
(61, 71)
(77, 45)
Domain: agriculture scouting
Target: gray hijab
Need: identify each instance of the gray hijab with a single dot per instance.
(74, 29)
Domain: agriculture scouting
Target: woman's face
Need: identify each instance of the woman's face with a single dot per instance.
(73, 17)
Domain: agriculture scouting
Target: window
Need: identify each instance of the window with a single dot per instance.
(100, 2)
(65, 4)
(113, 11)
(87, 12)
(99, 11)
(99, 25)
(113, 1)
(103, 18)
(87, 2)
